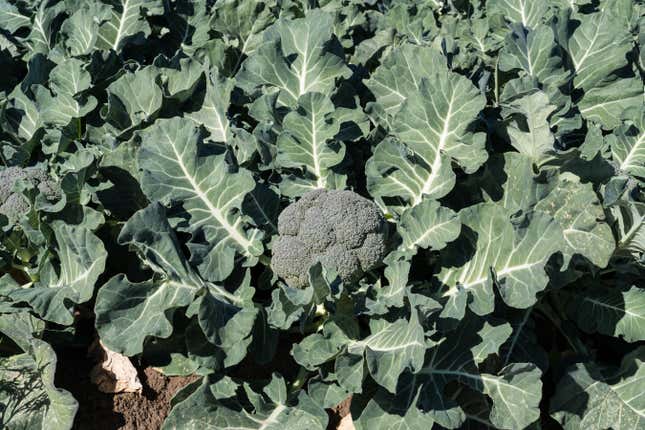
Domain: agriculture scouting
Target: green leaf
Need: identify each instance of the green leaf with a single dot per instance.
(173, 172)
(628, 144)
(227, 321)
(531, 135)
(630, 218)
(597, 48)
(393, 294)
(428, 225)
(312, 65)
(318, 348)
(82, 260)
(605, 104)
(180, 77)
(523, 189)
(534, 52)
(206, 408)
(588, 398)
(421, 398)
(39, 39)
(10, 17)
(134, 98)
(28, 395)
(212, 114)
(82, 28)
(127, 21)
(70, 77)
(399, 75)
(390, 349)
(433, 126)
(510, 255)
(611, 310)
(516, 393)
(577, 209)
(243, 21)
(529, 13)
(23, 116)
(493, 337)
(62, 108)
(307, 141)
(124, 325)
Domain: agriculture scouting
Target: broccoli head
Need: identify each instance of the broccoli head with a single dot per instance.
(339, 229)
(13, 204)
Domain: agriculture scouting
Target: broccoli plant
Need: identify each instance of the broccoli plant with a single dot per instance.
(434, 208)
(13, 203)
(339, 229)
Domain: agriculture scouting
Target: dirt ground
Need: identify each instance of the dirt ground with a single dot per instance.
(130, 411)
(126, 411)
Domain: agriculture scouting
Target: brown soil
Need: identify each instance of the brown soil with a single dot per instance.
(125, 411)
(131, 411)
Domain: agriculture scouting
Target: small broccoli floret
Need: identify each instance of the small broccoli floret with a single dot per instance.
(339, 229)
(14, 207)
(13, 204)
(8, 177)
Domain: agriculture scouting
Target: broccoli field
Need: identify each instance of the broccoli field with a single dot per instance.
(322, 214)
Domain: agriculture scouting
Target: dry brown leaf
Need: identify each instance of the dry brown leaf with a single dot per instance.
(114, 373)
(346, 423)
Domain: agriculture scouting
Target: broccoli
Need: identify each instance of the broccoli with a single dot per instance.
(339, 229)
(13, 205)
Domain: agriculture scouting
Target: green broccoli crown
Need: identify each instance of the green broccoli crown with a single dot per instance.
(337, 228)
(13, 204)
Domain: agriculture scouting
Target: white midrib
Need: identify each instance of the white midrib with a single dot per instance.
(31, 119)
(479, 377)
(577, 64)
(528, 58)
(221, 125)
(320, 183)
(524, 20)
(222, 128)
(217, 214)
(16, 15)
(503, 272)
(614, 308)
(246, 41)
(469, 265)
(39, 25)
(395, 347)
(631, 153)
(436, 163)
(119, 30)
(521, 11)
(302, 88)
(366, 344)
(426, 234)
(63, 281)
(271, 419)
(602, 105)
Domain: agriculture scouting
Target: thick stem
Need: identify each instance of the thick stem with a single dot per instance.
(264, 260)
(301, 378)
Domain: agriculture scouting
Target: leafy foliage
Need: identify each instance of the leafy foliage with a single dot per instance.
(503, 141)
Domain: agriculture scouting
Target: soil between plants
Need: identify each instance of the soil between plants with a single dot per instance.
(124, 411)
(131, 411)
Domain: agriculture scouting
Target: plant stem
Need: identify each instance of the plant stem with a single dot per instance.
(300, 380)
(264, 260)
